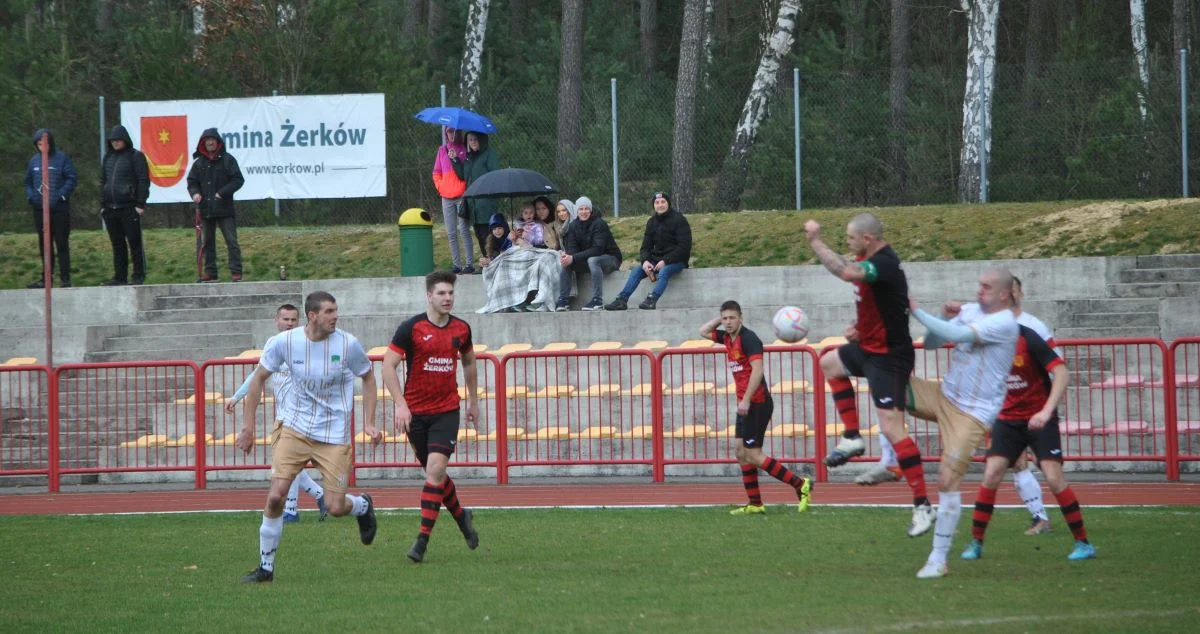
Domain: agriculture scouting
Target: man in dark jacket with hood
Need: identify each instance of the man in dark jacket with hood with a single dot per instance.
(480, 160)
(124, 188)
(587, 246)
(666, 249)
(213, 179)
(61, 184)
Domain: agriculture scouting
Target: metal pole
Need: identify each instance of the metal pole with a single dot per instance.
(274, 93)
(1183, 131)
(442, 130)
(103, 148)
(616, 190)
(796, 122)
(983, 133)
(47, 252)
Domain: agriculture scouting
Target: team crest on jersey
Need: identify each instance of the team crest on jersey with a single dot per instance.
(1019, 360)
(335, 358)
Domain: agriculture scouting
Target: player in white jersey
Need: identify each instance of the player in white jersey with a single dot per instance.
(287, 317)
(313, 410)
(1026, 485)
(967, 401)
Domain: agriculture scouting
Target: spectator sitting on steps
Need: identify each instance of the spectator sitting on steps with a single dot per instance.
(666, 248)
(588, 245)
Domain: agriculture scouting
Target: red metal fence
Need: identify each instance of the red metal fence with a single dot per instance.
(579, 412)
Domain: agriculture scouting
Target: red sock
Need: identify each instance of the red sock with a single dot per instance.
(431, 502)
(450, 499)
(985, 503)
(750, 481)
(776, 470)
(909, 458)
(844, 401)
(1070, 510)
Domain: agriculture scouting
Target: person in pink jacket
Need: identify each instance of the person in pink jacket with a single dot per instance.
(451, 187)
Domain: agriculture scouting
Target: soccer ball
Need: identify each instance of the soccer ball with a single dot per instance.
(791, 324)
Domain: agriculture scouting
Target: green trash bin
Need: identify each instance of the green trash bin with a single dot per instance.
(416, 243)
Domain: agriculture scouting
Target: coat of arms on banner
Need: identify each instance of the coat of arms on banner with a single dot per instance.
(165, 144)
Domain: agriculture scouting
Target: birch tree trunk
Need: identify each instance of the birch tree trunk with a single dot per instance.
(1141, 55)
(982, 16)
(647, 23)
(472, 60)
(710, 19)
(901, 43)
(737, 162)
(570, 89)
(683, 156)
(199, 27)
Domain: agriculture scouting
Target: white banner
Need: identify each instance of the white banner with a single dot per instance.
(330, 146)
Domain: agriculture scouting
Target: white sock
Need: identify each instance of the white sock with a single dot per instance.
(310, 486)
(887, 456)
(293, 498)
(358, 505)
(1031, 493)
(269, 535)
(949, 508)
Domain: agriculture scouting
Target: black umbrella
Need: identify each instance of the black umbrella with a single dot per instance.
(509, 182)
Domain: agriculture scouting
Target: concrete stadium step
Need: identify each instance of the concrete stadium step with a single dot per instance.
(1105, 332)
(1155, 289)
(1109, 320)
(240, 288)
(178, 302)
(239, 327)
(1109, 305)
(1140, 275)
(1182, 260)
(200, 341)
(188, 315)
(162, 354)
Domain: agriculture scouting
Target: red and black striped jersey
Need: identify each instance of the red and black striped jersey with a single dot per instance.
(431, 355)
(881, 301)
(1029, 377)
(741, 350)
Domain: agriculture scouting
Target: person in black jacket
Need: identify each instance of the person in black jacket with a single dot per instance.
(213, 179)
(666, 248)
(61, 182)
(588, 245)
(124, 188)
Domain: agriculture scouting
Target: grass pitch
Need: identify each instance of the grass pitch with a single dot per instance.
(661, 570)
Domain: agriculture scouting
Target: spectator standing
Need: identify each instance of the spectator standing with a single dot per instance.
(61, 183)
(213, 179)
(480, 160)
(450, 186)
(124, 188)
(666, 248)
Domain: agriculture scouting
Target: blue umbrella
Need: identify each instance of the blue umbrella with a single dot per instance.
(457, 118)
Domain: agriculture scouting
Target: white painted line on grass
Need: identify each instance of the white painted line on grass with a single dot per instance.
(1017, 620)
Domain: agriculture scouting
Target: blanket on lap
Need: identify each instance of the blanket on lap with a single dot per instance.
(513, 274)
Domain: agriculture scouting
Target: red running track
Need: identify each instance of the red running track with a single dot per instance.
(564, 495)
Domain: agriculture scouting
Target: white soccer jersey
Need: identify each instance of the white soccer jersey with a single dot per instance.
(318, 396)
(1040, 327)
(977, 380)
(278, 380)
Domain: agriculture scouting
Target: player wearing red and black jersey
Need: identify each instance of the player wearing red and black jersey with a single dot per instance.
(745, 354)
(879, 348)
(1029, 419)
(427, 407)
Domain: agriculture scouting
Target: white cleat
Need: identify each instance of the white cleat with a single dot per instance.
(877, 474)
(922, 520)
(933, 571)
(846, 449)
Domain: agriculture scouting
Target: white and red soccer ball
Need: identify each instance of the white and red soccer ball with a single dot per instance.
(791, 324)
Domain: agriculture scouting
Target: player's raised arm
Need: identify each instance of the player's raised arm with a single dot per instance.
(709, 327)
(839, 265)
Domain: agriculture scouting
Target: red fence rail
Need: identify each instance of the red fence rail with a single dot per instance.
(605, 411)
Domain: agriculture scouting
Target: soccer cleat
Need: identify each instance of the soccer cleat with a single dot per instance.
(922, 520)
(291, 518)
(620, 303)
(1038, 526)
(846, 449)
(973, 551)
(650, 303)
(323, 508)
(749, 509)
(877, 474)
(595, 304)
(1082, 550)
(932, 571)
(467, 526)
(366, 522)
(804, 492)
(417, 552)
(258, 575)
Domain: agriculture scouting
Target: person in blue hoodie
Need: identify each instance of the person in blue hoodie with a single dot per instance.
(61, 184)
(498, 241)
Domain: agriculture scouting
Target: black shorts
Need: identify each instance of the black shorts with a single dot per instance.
(752, 428)
(1010, 438)
(887, 374)
(433, 433)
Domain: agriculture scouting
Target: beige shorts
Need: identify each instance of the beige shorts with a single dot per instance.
(961, 432)
(292, 451)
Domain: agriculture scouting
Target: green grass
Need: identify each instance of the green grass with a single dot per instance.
(670, 570)
(749, 238)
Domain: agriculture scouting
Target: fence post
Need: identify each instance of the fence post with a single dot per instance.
(658, 466)
(1183, 122)
(275, 93)
(52, 441)
(201, 426)
(796, 138)
(501, 405)
(983, 135)
(103, 147)
(616, 191)
(1171, 425)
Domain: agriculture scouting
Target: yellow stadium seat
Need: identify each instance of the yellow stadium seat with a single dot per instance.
(479, 393)
(596, 433)
(377, 351)
(728, 388)
(784, 387)
(149, 440)
(479, 347)
(835, 429)
(510, 348)
(641, 432)
(21, 361)
(693, 388)
(650, 344)
(263, 441)
(830, 341)
(467, 434)
(788, 430)
(210, 398)
(692, 431)
(552, 433)
(513, 433)
(726, 432)
(402, 438)
(189, 440)
(698, 343)
(555, 391)
(559, 346)
(362, 438)
(781, 342)
(516, 391)
(605, 345)
(603, 389)
(228, 439)
(644, 389)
